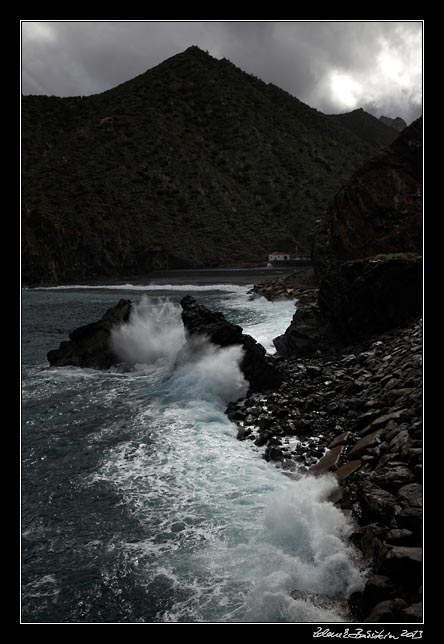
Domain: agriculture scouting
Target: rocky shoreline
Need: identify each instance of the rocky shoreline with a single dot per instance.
(351, 410)
(357, 412)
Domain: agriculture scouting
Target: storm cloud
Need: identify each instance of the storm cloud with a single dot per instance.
(332, 66)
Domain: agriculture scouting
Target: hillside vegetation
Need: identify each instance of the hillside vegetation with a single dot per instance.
(193, 163)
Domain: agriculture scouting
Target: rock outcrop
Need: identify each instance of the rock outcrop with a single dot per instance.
(379, 211)
(308, 332)
(368, 254)
(296, 285)
(257, 368)
(89, 345)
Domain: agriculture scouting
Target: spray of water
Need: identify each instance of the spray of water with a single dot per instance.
(154, 332)
(155, 335)
(208, 372)
(307, 551)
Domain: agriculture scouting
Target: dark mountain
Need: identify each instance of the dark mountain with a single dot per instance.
(372, 130)
(193, 163)
(397, 123)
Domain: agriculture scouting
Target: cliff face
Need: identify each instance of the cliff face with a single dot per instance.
(193, 163)
(368, 253)
(379, 211)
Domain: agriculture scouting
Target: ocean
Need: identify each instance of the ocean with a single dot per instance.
(139, 505)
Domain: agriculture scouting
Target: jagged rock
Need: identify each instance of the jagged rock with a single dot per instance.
(410, 519)
(412, 613)
(273, 453)
(400, 441)
(379, 588)
(363, 445)
(307, 333)
(347, 469)
(392, 477)
(403, 563)
(400, 537)
(256, 367)
(273, 290)
(327, 462)
(377, 504)
(364, 421)
(381, 421)
(371, 542)
(243, 433)
(411, 495)
(341, 439)
(89, 345)
(387, 611)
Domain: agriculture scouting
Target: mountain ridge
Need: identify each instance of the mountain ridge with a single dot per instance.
(192, 163)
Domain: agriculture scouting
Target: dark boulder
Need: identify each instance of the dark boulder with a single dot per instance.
(403, 564)
(411, 495)
(89, 345)
(412, 613)
(387, 611)
(377, 504)
(379, 588)
(391, 477)
(257, 368)
(306, 333)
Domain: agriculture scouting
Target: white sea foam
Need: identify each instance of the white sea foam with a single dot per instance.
(265, 320)
(226, 532)
(305, 539)
(194, 288)
(208, 372)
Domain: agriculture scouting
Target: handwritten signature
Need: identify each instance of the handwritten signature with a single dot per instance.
(360, 633)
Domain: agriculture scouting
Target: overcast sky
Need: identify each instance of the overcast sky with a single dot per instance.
(332, 66)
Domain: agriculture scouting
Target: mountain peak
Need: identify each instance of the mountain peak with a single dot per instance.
(196, 51)
(374, 131)
(396, 123)
(172, 163)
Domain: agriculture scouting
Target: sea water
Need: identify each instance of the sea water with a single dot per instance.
(138, 502)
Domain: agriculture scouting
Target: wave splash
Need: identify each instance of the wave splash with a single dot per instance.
(307, 552)
(154, 335)
(154, 332)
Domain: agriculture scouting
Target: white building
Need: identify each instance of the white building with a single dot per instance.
(278, 256)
